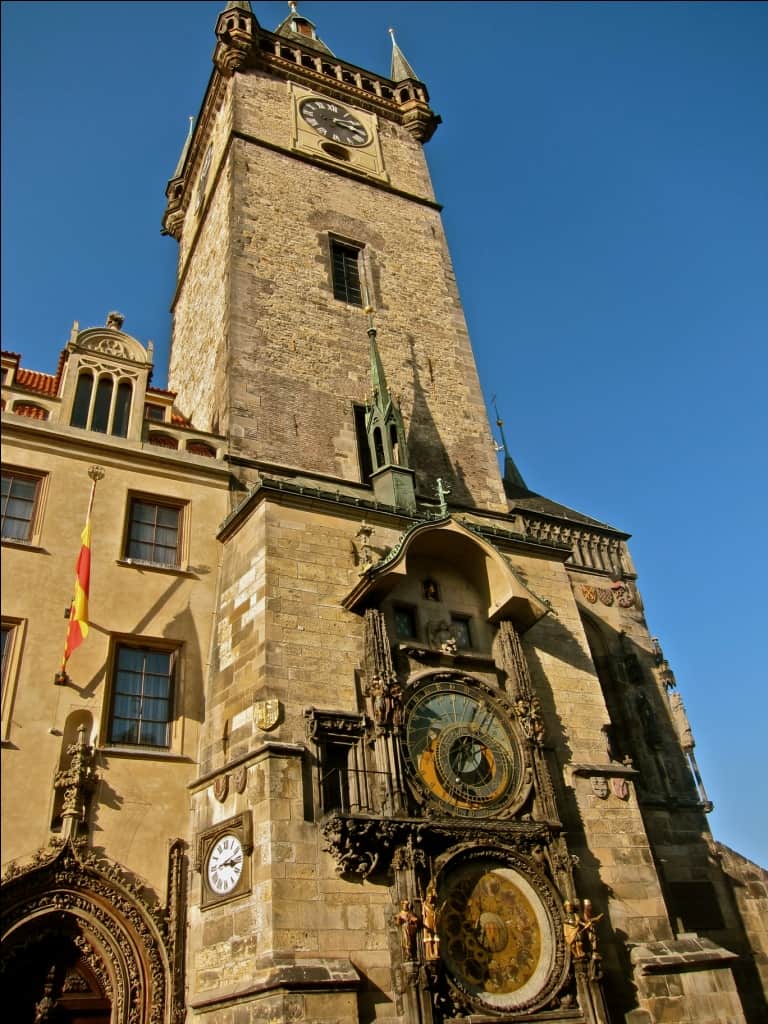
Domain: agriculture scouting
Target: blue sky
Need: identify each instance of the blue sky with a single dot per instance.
(604, 170)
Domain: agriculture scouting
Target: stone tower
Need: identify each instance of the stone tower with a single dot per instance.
(438, 764)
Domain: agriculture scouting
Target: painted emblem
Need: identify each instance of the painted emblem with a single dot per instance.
(600, 786)
(239, 778)
(620, 788)
(221, 787)
(624, 597)
(266, 713)
(589, 592)
(606, 596)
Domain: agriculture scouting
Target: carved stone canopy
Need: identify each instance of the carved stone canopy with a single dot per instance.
(113, 343)
(482, 563)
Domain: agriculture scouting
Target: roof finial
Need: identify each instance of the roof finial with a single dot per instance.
(401, 69)
(293, 5)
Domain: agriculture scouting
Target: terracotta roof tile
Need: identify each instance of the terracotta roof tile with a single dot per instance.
(42, 383)
(34, 412)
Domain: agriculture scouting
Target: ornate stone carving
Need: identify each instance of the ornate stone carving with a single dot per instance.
(76, 783)
(221, 787)
(381, 685)
(110, 912)
(234, 30)
(599, 785)
(240, 778)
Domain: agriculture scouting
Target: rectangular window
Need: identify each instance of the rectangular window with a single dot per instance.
(460, 629)
(153, 411)
(142, 696)
(20, 494)
(345, 267)
(154, 532)
(405, 622)
(13, 630)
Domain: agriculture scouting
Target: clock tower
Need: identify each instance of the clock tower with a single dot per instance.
(432, 709)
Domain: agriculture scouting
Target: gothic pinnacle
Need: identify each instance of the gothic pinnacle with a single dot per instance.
(401, 69)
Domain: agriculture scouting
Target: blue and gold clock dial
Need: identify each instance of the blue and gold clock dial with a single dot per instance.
(460, 748)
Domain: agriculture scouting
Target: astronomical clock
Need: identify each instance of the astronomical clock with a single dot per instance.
(443, 792)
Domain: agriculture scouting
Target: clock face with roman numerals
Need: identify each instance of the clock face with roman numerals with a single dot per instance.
(225, 865)
(334, 122)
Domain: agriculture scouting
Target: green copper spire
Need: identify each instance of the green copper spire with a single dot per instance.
(392, 480)
(401, 69)
(514, 485)
(383, 422)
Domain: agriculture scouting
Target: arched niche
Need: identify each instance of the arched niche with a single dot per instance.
(70, 915)
(481, 564)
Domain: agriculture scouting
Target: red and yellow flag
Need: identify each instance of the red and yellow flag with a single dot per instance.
(77, 628)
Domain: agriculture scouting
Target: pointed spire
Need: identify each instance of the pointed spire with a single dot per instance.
(392, 479)
(384, 421)
(378, 379)
(242, 5)
(401, 69)
(184, 149)
(514, 485)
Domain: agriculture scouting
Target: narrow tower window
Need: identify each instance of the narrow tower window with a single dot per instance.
(82, 402)
(101, 406)
(345, 267)
(122, 409)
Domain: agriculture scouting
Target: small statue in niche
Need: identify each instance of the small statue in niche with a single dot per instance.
(580, 928)
(429, 917)
(441, 635)
(430, 590)
(408, 924)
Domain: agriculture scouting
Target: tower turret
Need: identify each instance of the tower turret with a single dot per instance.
(392, 478)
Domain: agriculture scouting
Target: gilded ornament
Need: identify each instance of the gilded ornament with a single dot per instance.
(266, 713)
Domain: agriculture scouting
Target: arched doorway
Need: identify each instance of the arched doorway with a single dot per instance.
(82, 944)
(51, 975)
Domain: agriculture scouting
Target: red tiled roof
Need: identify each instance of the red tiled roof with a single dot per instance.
(160, 391)
(180, 421)
(42, 383)
(34, 412)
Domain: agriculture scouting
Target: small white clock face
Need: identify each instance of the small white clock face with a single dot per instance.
(225, 864)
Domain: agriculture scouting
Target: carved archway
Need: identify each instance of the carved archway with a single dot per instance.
(81, 930)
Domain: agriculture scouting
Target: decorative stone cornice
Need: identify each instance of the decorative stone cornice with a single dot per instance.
(365, 845)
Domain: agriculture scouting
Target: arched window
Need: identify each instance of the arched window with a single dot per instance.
(105, 408)
(378, 445)
(82, 403)
(102, 404)
(122, 409)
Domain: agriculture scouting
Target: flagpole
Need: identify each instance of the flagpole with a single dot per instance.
(77, 626)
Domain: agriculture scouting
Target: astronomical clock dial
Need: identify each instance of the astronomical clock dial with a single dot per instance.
(334, 122)
(459, 747)
(500, 939)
